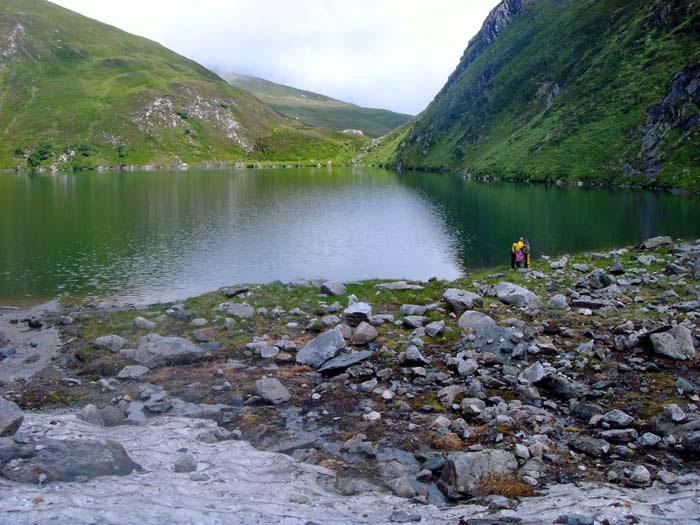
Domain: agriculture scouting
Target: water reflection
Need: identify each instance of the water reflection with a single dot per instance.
(167, 235)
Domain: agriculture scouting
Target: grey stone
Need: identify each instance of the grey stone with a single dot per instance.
(269, 351)
(141, 323)
(132, 372)
(155, 351)
(49, 460)
(674, 413)
(617, 419)
(242, 310)
(656, 242)
(533, 373)
(357, 313)
(91, 414)
(464, 472)
(343, 361)
(460, 300)
(234, 291)
(596, 280)
(11, 418)
(333, 288)
(199, 322)
(619, 435)
(112, 416)
(640, 477)
(414, 321)
(616, 267)
(324, 347)
(185, 463)
(597, 448)
(560, 385)
(205, 335)
(414, 356)
(435, 328)
(472, 319)
(412, 309)
(398, 285)
(575, 519)
(272, 391)
(677, 343)
(112, 343)
(364, 334)
(514, 295)
(558, 302)
(648, 440)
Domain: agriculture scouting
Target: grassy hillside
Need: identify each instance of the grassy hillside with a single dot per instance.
(76, 93)
(319, 110)
(592, 90)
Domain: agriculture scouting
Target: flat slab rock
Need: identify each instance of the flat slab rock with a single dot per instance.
(155, 350)
(276, 489)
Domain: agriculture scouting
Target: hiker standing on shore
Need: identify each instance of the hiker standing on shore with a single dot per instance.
(526, 250)
(516, 247)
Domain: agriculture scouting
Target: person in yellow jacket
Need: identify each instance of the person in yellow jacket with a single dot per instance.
(514, 249)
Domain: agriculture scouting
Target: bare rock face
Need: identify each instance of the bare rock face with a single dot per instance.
(155, 350)
(464, 472)
(62, 460)
(11, 418)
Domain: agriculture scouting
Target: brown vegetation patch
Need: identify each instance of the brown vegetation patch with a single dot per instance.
(506, 485)
(449, 442)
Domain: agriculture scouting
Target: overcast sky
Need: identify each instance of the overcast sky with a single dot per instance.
(393, 54)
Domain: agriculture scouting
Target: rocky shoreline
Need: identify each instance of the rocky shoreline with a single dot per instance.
(485, 393)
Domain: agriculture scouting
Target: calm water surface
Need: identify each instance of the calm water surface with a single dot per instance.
(145, 237)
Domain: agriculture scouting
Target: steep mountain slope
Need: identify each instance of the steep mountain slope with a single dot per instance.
(319, 110)
(78, 93)
(592, 90)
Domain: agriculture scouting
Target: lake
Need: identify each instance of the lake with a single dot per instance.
(161, 236)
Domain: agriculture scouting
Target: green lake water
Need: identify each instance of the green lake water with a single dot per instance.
(162, 236)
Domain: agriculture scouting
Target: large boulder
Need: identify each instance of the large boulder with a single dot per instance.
(514, 295)
(62, 460)
(272, 391)
(398, 285)
(677, 343)
(472, 319)
(155, 351)
(464, 472)
(324, 347)
(460, 300)
(11, 418)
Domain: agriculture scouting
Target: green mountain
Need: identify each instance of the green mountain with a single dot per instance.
(319, 110)
(77, 93)
(605, 91)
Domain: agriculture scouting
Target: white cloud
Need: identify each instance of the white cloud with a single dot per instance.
(394, 54)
